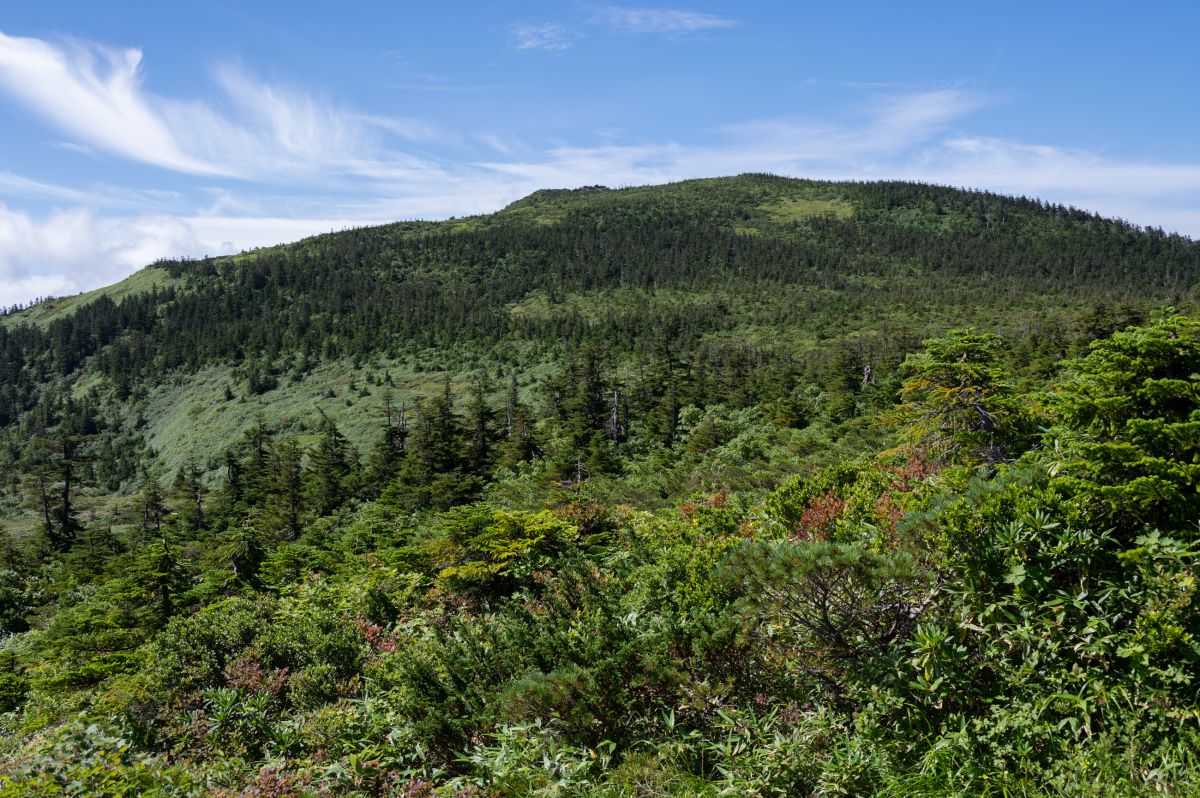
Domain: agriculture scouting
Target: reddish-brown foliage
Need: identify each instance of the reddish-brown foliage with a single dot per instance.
(818, 518)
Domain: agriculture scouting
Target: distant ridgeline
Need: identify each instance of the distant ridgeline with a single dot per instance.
(741, 486)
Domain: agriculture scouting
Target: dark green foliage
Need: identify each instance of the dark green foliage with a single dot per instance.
(519, 443)
(288, 504)
(331, 470)
(1129, 436)
(384, 462)
(956, 405)
(161, 578)
(14, 686)
(89, 760)
(189, 491)
(675, 556)
(14, 602)
(435, 472)
(571, 654)
(833, 610)
(244, 548)
(480, 432)
(587, 407)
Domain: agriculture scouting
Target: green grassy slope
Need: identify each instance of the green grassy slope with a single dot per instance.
(43, 313)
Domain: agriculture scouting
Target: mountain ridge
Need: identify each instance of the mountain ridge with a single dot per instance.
(793, 191)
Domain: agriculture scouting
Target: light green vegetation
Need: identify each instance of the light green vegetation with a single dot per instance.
(793, 209)
(139, 282)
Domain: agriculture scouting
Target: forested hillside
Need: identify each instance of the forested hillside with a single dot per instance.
(743, 486)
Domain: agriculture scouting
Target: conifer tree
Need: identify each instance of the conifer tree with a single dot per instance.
(152, 507)
(435, 445)
(244, 549)
(1127, 441)
(331, 464)
(288, 495)
(233, 491)
(39, 488)
(584, 402)
(957, 407)
(519, 444)
(258, 475)
(434, 471)
(660, 391)
(384, 462)
(163, 577)
(189, 492)
(96, 546)
(481, 430)
(54, 484)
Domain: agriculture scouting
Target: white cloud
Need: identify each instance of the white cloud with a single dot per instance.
(1046, 170)
(96, 196)
(546, 36)
(901, 120)
(237, 233)
(95, 94)
(409, 128)
(67, 251)
(887, 127)
(26, 187)
(661, 20)
(71, 146)
(20, 290)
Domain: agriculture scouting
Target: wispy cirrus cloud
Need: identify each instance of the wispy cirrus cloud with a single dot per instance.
(660, 20)
(71, 146)
(95, 94)
(544, 36)
(25, 187)
(883, 129)
(556, 37)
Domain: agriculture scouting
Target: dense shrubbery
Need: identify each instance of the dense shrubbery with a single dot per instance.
(898, 626)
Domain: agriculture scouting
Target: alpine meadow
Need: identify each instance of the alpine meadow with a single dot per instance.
(737, 486)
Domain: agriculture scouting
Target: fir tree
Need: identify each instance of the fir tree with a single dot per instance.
(1127, 440)
(163, 578)
(244, 549)
(385, 460)
(957, 407)
(331, 464)
(152, 507)
(288, 501)
(520, 444)
(480, 431)
(189, 492)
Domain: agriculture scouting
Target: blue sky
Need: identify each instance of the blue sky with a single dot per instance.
(133, 131)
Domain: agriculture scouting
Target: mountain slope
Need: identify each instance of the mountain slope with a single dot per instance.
(727, 274)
